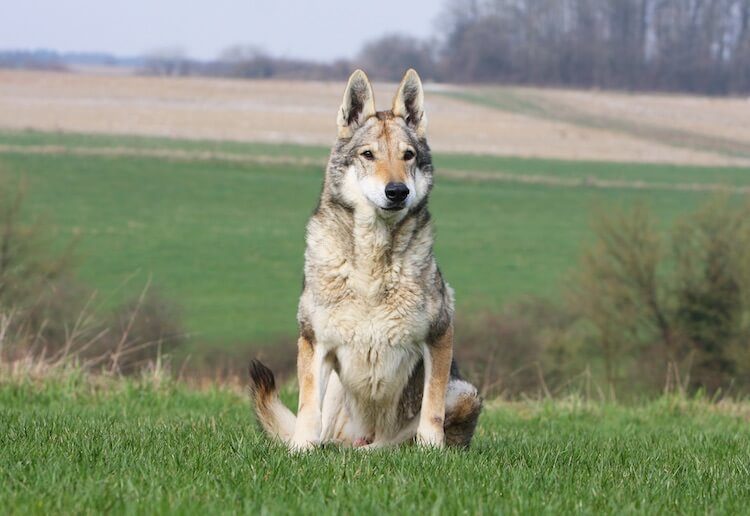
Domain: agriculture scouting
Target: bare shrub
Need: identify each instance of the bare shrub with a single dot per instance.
(712, 291)
(677, 312)
(229, 364)
(616, 289)
(511, 353)
(35, 280)
(49, 317)
(136, 336)
(27, 264)
(140, 332)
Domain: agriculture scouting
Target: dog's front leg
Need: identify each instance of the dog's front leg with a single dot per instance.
(313, 373)
(437, 367)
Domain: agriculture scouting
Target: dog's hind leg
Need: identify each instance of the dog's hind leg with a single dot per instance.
(462, 407)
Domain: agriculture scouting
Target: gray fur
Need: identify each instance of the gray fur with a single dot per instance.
(373, 295)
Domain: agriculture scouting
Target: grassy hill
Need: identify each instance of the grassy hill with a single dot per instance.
(220, 226)
(71, 444)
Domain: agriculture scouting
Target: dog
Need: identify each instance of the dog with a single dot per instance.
(375, 349)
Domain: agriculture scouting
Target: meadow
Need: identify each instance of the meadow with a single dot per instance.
(202, 188)
(71, 444)
(219, 226)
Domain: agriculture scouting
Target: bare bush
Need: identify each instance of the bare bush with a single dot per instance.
(712, 287)
(35, 281)
(616, 289)
(514, 352)
(139, 332)
(49, 317)
(675, 311)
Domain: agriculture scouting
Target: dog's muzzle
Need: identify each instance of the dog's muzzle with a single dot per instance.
(396, 193)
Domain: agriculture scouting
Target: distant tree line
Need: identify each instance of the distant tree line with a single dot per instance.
(687, 45)
(699, 46)
(32, 60)
(45, 59)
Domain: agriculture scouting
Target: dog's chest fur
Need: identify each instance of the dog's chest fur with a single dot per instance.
(371, 293)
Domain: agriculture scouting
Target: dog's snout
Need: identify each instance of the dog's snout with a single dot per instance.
(396, 192)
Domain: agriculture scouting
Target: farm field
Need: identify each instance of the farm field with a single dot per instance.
(203, 186)
(219, 226)
(70, 444)
(528, 122)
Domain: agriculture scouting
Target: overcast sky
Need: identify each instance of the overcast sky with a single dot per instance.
(315, 29)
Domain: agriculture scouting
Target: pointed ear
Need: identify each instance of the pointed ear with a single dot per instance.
(358, 104)
(409, 102)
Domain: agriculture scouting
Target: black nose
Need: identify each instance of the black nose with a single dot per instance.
(396, 192)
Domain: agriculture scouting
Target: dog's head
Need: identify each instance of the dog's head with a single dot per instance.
(381, 161)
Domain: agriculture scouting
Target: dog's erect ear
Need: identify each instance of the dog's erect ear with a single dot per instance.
(409, 102)
(358, 104)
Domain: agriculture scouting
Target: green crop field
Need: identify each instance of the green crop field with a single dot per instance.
(70, 444)
(219, 226)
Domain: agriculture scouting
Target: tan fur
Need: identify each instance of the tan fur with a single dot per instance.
(305, 373)
(389, 163)
(436, 384)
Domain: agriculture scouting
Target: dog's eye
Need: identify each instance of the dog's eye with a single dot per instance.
(408, 155)
(368, 155)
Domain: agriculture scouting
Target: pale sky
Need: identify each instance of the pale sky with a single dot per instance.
(311, 29)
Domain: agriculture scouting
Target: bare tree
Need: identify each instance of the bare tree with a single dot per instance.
(690, 45)
(167, 61)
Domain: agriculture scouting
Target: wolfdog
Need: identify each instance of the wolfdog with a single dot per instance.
(375, 349)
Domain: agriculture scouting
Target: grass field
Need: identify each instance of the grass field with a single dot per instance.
(219, 226)
(76, 445)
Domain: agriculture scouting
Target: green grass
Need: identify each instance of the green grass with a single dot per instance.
(225, 239)
(646, 173)
(67, 446)
(655, 173)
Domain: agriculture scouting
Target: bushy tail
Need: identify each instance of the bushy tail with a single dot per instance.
(275, 419)
(463, 406)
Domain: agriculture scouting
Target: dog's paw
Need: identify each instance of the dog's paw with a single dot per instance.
(301, 447)
(303, 443)
(430, 437)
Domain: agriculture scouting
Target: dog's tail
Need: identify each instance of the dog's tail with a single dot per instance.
(275, 419)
